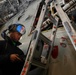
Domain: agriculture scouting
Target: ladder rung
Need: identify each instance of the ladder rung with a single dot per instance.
(38, 64)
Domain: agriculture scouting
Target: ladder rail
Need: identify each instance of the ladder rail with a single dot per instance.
(66, 23)
(33, 43)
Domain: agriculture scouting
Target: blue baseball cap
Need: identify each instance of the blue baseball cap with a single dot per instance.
(17, 27)
(21, 29)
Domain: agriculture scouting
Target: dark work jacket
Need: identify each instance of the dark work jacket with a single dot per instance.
(6, 66)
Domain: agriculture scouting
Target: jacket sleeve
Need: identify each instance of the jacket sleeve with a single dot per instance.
(4, 58)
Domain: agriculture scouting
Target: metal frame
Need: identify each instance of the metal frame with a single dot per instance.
(66, 23)
(33, 44)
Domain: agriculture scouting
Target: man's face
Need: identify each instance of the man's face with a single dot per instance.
(15, 36)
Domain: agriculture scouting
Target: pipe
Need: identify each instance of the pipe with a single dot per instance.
(68, 5)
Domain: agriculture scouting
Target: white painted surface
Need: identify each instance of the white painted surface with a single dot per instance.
(65, 63)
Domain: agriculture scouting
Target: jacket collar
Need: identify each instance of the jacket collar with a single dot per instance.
(15, 43)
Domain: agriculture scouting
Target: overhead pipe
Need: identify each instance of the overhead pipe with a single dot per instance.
(68, 5)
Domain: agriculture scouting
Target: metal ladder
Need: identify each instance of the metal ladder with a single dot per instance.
(35, 49)
(66, 23)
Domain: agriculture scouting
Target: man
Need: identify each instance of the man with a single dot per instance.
(11, 57)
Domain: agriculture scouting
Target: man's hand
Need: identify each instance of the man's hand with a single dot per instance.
(14, 57)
